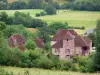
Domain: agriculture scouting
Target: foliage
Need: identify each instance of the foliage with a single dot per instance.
(47, 46)
(50, 10)
(44, 33)
(35, 4)
(66, 65)
(3, 4)
(17, 29)
(54, 26)
(56, 5)
(97, 55)
(92, 37)
(37, 15)
(30, 44)
(2, 26)
(5, 18)
(44, 62)
(22, 18)
(18, 5)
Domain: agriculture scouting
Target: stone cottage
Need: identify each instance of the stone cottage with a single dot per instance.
(67, 43)
(16, 41)
(19, 42)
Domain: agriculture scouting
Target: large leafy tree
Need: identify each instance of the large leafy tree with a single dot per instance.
(2, 40)
(36, 4)
(97, 55)
(3, 4)
(56, 26)
(18, 5)
(44, 33)
(50, 10)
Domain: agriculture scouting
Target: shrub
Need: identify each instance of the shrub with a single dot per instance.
(44, 62)
(83, 69)
(74, 68)
(42, 13)
(30, 44)
(38, 15)
(66, 65)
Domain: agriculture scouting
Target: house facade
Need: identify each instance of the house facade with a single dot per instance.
(67, 43)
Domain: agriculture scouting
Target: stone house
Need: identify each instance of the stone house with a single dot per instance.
(16, 41)
(19, 42)
(67, 43)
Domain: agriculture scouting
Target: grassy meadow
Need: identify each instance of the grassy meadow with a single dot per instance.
(74, 18)
(35, 71)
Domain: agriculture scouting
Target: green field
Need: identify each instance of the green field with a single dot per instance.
(34, 71)
(74, 18)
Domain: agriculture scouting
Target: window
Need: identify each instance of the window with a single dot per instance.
(67, 51)
(57, 50)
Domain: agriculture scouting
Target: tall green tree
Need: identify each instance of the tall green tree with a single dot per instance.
(44, 33)
(97, 55)
(50, 10)
(36, 4)
(3, 4)
(2, 40)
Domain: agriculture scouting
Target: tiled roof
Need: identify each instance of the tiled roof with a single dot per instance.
(79, 41)
(67, 34)
(59, 44)
(20, 41)
(39, 43)
(63, 33)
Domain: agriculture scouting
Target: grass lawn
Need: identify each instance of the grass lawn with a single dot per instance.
(74, 18)
(34, 71)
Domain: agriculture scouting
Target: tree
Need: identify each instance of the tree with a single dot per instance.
(56, 26)
(18, 5)
(56, 5)
(2, 26)
(97, 55)
(50, 10)
(30, 44)
(5, 18)
(44, 33)
(2, 40)
(35, 4)
(92, 37)
(3, 4)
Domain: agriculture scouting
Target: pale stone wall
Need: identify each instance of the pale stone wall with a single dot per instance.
(78, 51)
(53, 42)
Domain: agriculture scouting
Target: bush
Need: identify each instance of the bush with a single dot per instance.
(66, 65)
(37, 15)
(44, 62)
(42, 13)
(30, 44)
(50, 10)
